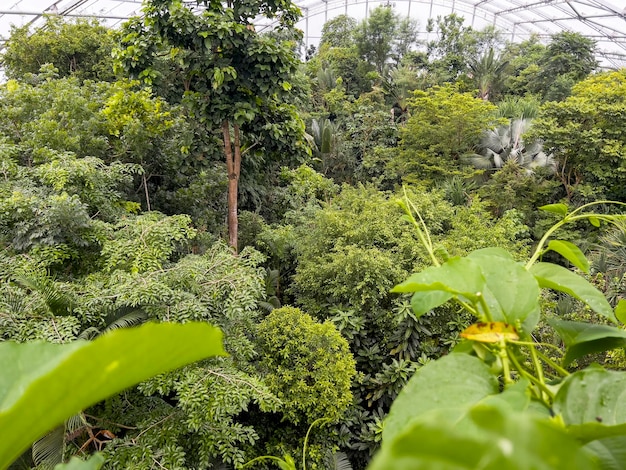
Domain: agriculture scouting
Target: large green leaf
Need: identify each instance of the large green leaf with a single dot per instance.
(454, 382)
(552, 276)
(592, 403)
(489, 438)
(586, 338)
(571, 253)
(609, 452)
(42, 384)
(457, 276)
(512, 293)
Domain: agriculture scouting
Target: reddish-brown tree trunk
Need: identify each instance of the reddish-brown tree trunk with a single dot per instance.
(233, 167)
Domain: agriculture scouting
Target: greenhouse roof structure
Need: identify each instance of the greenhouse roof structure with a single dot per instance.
(601, 20)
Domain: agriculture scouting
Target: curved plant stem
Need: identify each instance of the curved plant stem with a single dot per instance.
(306, 439)
(553, 364)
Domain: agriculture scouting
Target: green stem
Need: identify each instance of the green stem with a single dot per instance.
(553, 364)
(504, 357)
(531, 378)
(306, 439)
(483, 303)
(539, 249)
(422, 232)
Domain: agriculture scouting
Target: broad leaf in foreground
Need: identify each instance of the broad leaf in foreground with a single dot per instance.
(42, 383)
(436, 285)
(587, 338)
(489, 438)
(454, 382)
(592, 403)
(571, 253)
(552, 276)
(511, 293)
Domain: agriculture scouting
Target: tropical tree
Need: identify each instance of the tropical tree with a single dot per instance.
(339, 32)
(383, 36)
(81, 48)
(443, 128)
(586, 134)
(231, 77)
(487, 72)
(568, 59)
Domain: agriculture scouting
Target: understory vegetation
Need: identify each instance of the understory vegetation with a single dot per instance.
(413, 249)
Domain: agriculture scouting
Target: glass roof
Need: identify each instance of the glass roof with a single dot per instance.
(602, 20)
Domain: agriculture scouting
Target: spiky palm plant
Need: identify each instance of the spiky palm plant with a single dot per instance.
(487, 72)
(506, 143)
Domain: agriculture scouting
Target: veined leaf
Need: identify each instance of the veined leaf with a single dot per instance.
(552, 276)
(571, 253)
(610, 452)
(560, 209)
(586, 338)
(592, 403)
(511, 293)
(489, 438)
(454, 382)
(42, 383)
(457, 276)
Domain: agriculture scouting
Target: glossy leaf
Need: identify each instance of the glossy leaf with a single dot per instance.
(454, 382)
(592, 403)
(488, 438)
(552, 276)
(512, 293)
(459, 276)
(587, 338)
(594, 221)
(560, 209)
(571, 253)
(609, 452)
(42, 383)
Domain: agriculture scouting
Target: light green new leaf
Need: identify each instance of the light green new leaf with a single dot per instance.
(42, 383)
(552, 276)
(560, 209)
(511, 293)
(592, 403)
(489, 438)
(594, 221)
(571, 253)
(454, 382)
(586, 338)
(437, 284)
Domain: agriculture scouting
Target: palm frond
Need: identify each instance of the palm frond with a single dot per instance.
(58, 302)
(47, 452)
(338, 461)
(132, 318)
(89, 334)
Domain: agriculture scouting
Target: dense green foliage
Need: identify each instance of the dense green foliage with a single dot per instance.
(125, 199)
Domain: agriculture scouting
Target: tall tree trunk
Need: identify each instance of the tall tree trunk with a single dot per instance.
(233, 167)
